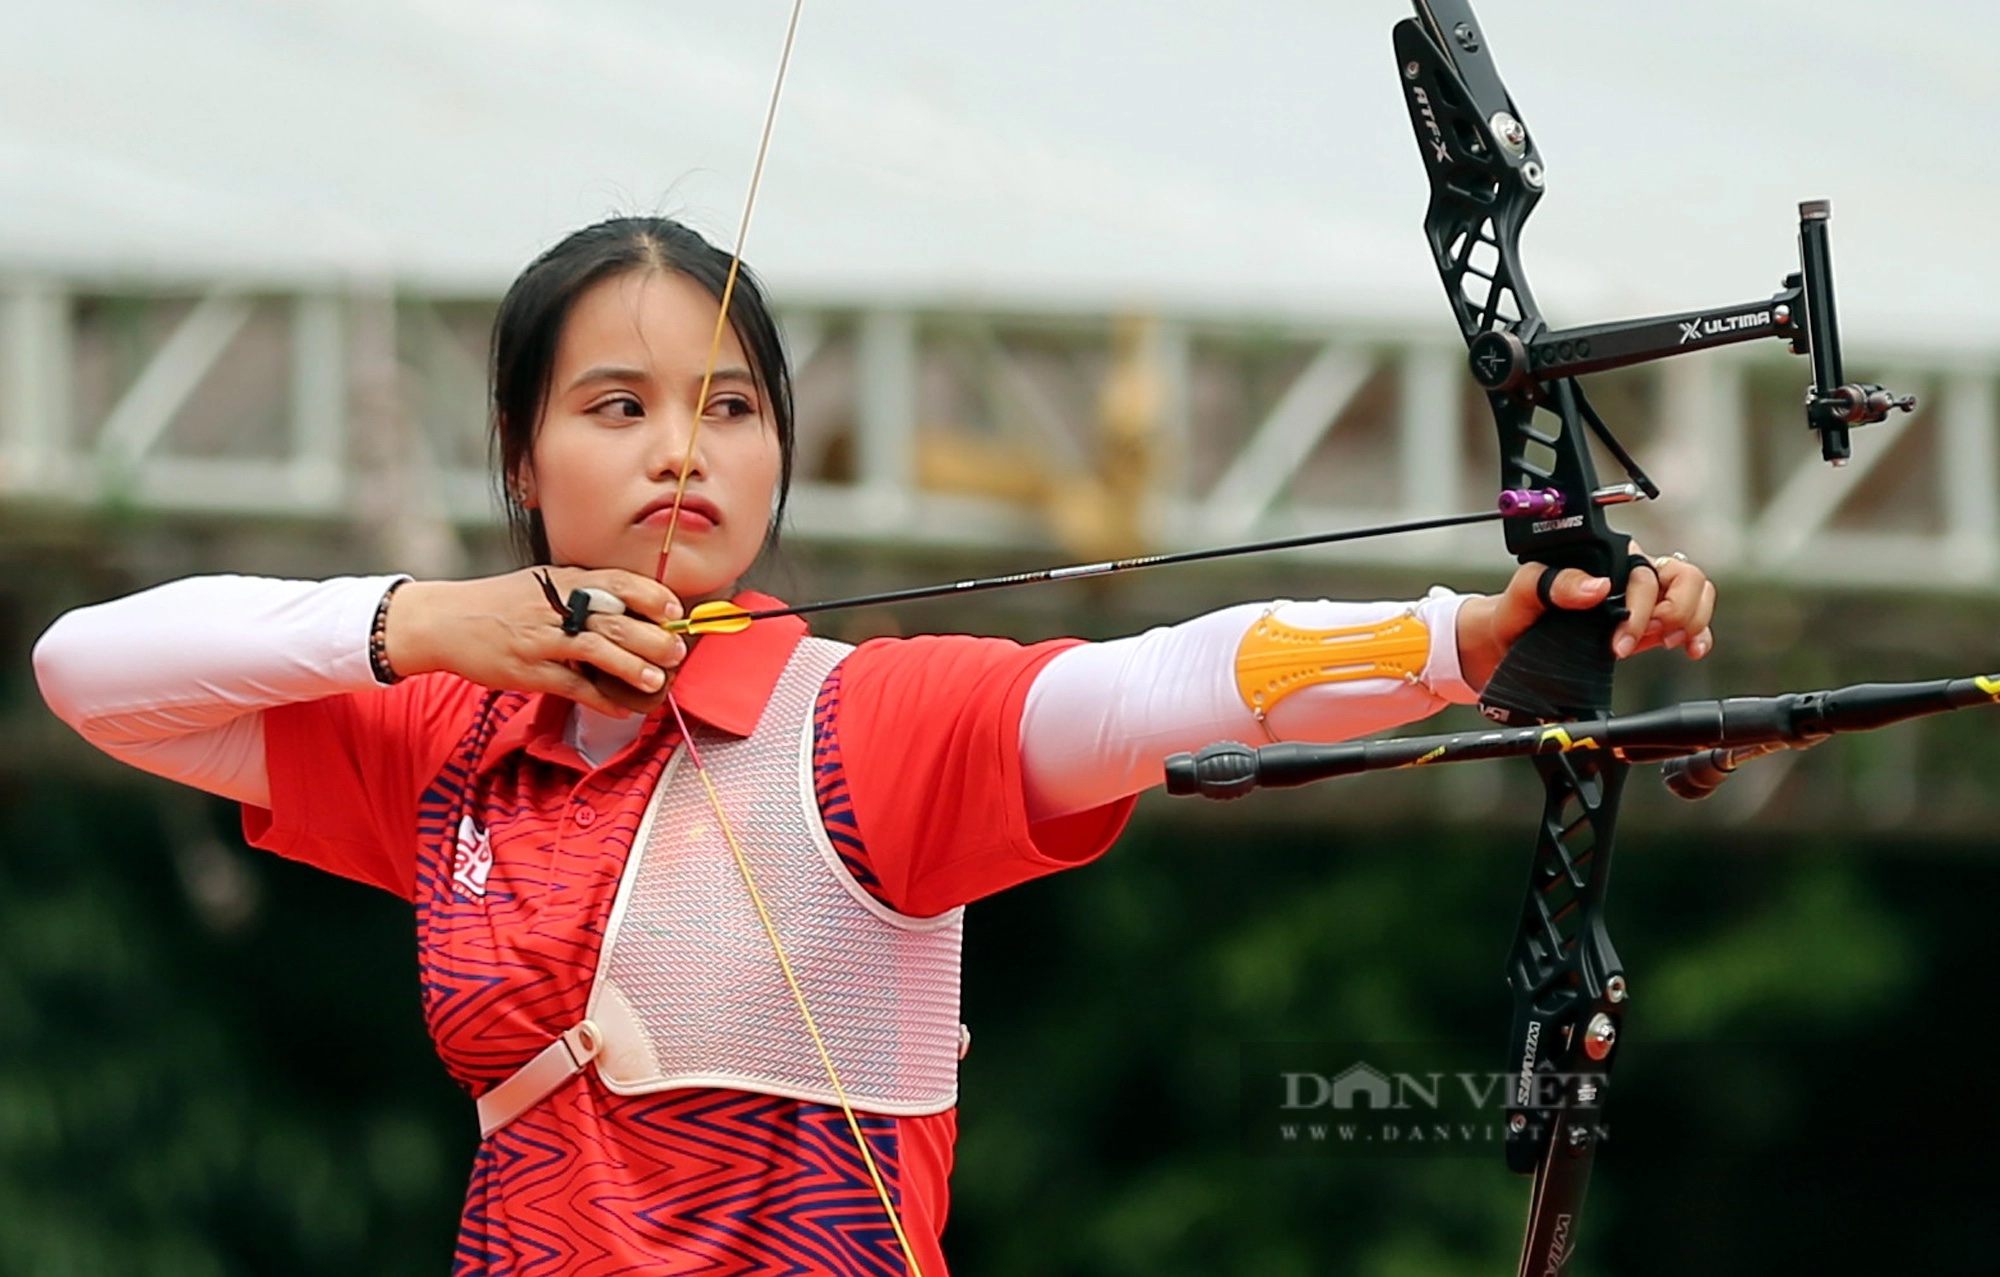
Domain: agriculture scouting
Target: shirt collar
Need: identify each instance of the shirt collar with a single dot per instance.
(725, 682)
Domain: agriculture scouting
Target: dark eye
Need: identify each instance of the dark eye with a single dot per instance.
(622, 407)
(732, 407)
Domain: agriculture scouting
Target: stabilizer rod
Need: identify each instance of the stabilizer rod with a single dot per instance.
(1231, 770)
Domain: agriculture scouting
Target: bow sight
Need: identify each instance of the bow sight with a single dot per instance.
(1519, 360)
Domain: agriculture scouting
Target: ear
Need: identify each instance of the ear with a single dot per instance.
(522, 486)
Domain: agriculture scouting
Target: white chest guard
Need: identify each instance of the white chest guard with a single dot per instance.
(688, 991)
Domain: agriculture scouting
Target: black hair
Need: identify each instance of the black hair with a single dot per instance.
(529, 327)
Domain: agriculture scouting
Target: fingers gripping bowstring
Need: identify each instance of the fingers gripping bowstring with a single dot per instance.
(687, 737)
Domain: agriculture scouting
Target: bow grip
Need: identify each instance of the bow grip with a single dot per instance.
(1561, 668)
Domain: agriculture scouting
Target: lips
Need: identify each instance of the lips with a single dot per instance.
(698, 514)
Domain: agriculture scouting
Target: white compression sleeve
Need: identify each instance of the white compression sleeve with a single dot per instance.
(1101, 719)
(172, 680)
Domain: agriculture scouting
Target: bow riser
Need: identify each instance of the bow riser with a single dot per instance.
(1486, 178)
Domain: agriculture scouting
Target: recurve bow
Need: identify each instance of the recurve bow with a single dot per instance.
(1486, 176)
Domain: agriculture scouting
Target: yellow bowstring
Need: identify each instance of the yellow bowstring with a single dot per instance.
(708, 786)
(729, 286)
(798, 991)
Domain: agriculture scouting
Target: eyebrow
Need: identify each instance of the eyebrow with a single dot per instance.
(609, 372)
(612, 372)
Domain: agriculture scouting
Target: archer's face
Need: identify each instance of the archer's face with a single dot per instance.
(609, 452)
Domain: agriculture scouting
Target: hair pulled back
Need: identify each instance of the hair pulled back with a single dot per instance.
(529, 328)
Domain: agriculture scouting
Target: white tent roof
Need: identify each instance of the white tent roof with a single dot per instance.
(1247, 157)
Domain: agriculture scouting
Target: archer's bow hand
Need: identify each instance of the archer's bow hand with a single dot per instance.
(1669, 600)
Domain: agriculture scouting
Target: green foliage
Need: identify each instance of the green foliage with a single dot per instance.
(178, 1104)
(212, 1064)
(1818, 955)
(1100, 1130)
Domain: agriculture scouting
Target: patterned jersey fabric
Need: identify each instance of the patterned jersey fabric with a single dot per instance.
(698, 1181)
(518, 850)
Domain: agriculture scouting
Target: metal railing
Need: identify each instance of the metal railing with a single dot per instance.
(994, 430)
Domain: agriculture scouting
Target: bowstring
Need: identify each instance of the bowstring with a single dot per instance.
(729, 286)
(680, 721)
(798, 992)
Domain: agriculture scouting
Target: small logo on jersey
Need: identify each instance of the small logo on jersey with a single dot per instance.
(472, 860)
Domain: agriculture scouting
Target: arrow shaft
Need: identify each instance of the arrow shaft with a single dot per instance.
(1078, 571)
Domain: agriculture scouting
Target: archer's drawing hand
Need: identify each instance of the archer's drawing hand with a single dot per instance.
(1670, 605)
(501, 632)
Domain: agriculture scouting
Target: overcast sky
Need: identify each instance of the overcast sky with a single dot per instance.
(1250, 157)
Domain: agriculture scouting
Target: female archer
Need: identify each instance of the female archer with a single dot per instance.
(689, 908)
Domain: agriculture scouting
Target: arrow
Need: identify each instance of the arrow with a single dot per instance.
(721, 617)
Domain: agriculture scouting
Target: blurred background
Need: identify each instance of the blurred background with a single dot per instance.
(1059, 281)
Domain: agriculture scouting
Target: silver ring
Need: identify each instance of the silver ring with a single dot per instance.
(1662, 560)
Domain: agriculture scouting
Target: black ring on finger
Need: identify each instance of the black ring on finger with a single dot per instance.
(1546, 583)
(578, 615)
(1635, 561)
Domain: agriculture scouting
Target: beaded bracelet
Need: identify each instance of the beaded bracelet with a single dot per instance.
(378, 638)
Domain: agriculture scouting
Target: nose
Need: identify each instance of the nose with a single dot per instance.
(675, 445)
